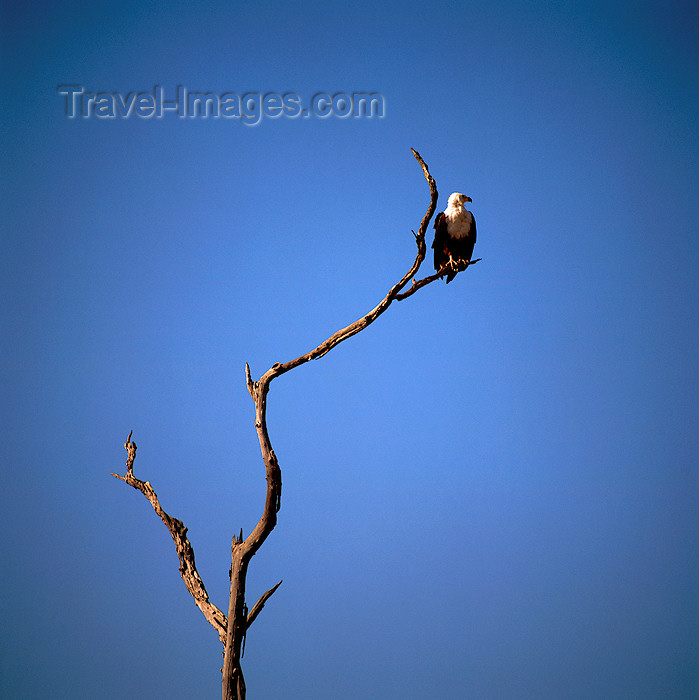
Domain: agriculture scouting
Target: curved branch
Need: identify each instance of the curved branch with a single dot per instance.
(242, 552)
(185, 551)
(258, 390)
(359, 325)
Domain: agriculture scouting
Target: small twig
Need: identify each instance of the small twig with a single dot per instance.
(260, 604)
(130, 448)
(249, 382)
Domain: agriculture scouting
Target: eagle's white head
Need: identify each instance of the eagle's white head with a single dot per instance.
(459, 219)
(457, 200)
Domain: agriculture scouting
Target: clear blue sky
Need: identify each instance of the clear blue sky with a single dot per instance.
(491, 493)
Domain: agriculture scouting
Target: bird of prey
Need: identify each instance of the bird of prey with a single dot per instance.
(454, 236)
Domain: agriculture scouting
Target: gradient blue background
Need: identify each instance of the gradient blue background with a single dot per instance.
(492, 491)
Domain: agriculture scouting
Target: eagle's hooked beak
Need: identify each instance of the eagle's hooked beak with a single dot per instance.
(467, 199)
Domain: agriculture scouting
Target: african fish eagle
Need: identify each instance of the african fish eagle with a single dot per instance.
(454, 235)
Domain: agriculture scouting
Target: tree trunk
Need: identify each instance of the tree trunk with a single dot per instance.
(233, 682)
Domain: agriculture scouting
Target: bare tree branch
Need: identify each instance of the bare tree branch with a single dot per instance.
(185, 552)
(444, 270)
(344, 333)
(232, 629)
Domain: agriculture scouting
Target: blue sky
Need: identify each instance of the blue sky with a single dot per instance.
(489, 493)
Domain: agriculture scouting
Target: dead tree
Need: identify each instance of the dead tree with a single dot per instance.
(233, 628)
